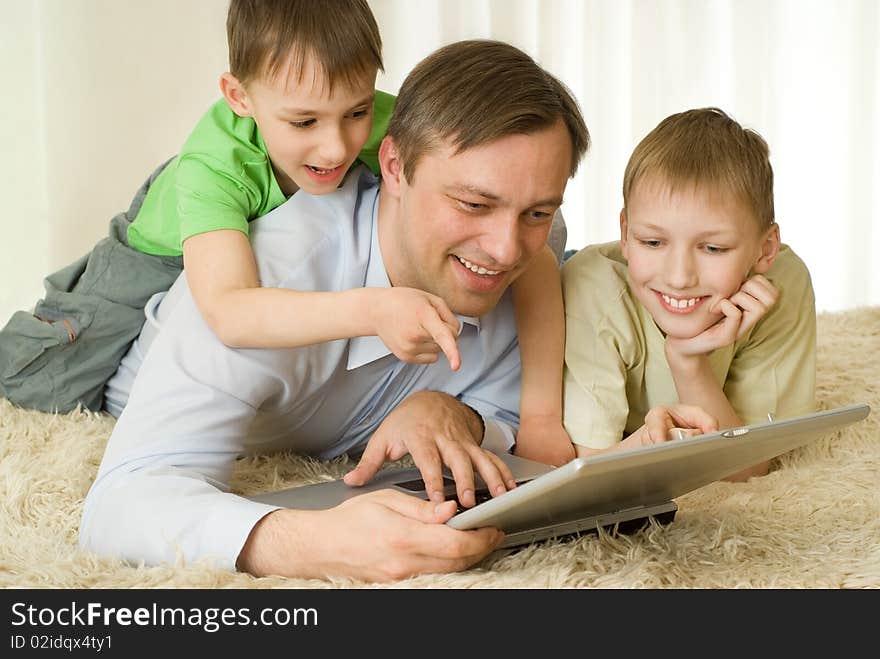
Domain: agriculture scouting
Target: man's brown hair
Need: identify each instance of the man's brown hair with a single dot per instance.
(706, 147)
(474, 92)
(341, 35)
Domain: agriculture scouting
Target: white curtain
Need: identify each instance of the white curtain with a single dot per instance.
(103, 90)
(804, 74)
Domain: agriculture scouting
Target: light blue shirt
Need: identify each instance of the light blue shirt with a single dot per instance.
(162, 491)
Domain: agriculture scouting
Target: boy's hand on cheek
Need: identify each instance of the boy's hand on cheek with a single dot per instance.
(755, 297)
(740, 313)
(722, 333)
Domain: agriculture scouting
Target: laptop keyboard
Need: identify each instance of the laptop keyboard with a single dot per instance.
(418, 486)
(480, 495)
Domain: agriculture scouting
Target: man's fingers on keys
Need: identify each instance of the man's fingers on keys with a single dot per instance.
(494, 471)
(456, 457)
(506, 474)
(371, 461)
(427, 460)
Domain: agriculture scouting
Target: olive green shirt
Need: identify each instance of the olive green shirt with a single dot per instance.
(615, 364)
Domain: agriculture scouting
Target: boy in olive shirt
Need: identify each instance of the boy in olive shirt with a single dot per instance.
(698, 303)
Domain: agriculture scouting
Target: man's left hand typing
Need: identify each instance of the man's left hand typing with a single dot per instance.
(435, 429)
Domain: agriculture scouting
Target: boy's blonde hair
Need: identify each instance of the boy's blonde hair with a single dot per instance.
(341, 35)
(474, 92)
(706, 147)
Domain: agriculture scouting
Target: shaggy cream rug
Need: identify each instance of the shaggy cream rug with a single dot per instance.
(813, 522)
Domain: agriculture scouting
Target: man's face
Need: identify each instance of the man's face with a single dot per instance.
(468, 224)
(312, 136)
(687, 250)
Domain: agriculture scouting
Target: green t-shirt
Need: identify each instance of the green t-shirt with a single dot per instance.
(222, 179)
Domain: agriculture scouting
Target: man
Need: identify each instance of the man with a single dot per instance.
(474, 168)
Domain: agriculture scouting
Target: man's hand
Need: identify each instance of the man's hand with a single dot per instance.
(740, 313)
(435, 429)
(415, 325)
(662, 424)
(544, 439)
(379, 536)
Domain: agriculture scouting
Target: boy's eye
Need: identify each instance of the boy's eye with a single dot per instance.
(305, 123)
(714, 249)
(358, 114)
(650, 243)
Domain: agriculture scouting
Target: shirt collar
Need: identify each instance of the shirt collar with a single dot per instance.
(365, 349)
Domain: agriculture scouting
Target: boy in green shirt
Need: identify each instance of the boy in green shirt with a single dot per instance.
(298, 109)
(298, 106)
(698, 303)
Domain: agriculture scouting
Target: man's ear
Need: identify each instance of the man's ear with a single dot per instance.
(769, 249)
(391, 165)
(235, 94)
(623, 242)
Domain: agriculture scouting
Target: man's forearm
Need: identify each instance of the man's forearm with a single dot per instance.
(162, 514)
(273, 549)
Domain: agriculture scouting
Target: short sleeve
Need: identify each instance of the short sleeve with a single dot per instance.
(210, 198)
(599, 344)
(774, 370)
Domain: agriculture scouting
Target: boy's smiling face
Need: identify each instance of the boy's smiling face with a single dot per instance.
(688, 249)
(312, 135)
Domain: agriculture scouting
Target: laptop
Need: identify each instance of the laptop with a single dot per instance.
(619, 491)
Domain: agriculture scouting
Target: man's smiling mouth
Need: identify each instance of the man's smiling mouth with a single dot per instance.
(478, 269)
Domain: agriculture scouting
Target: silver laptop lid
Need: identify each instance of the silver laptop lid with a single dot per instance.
(647, 476)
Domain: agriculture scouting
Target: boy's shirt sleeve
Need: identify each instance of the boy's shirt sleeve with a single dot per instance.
(210, 198)
(383, 106)
(600, 342)
(774, 368)
(224, 177)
